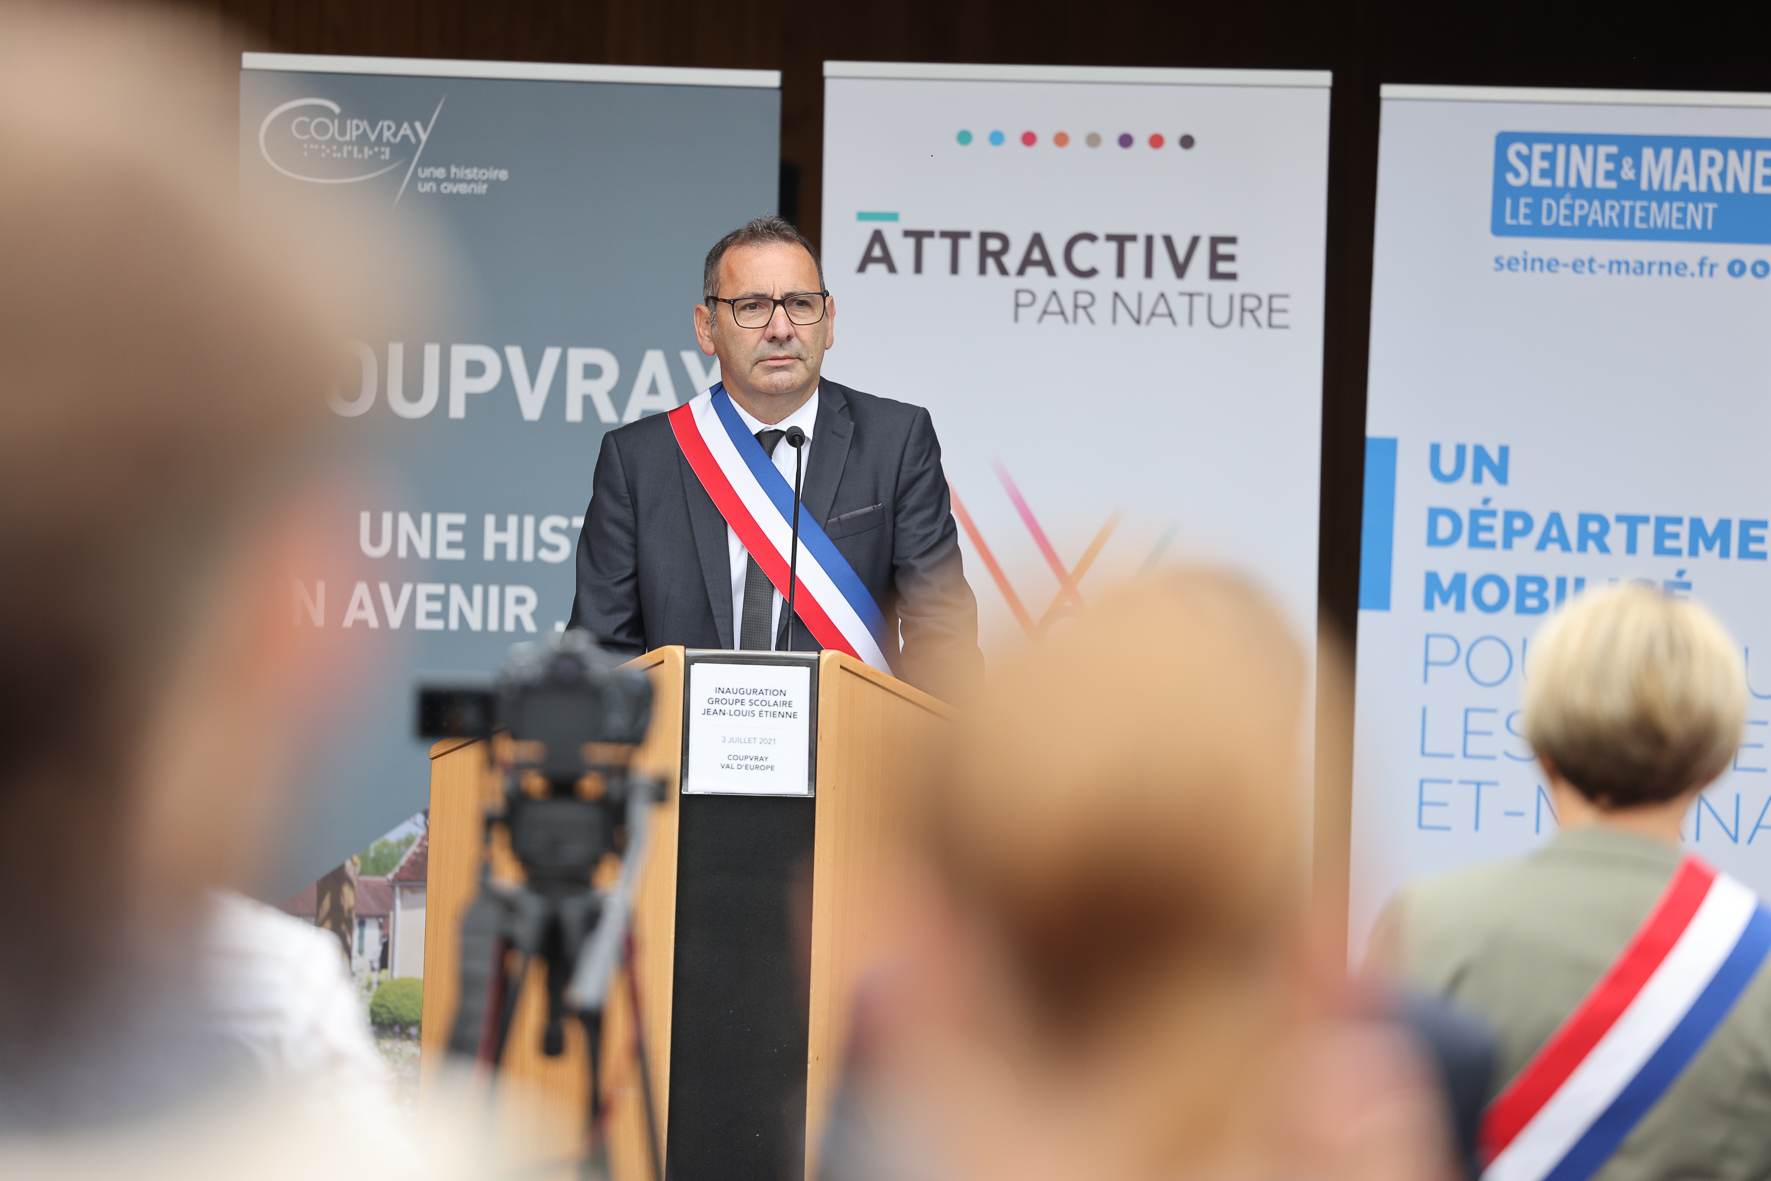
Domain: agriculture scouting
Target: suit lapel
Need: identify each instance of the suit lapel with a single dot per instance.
(830, 451)
(712, 548)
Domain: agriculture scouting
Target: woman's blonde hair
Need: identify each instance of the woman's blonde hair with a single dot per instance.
(1633, 696)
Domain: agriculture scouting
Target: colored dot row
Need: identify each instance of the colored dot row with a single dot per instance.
(1061, 139)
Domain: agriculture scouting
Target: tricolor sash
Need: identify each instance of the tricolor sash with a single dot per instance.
(1622, 1047)
(757, 502)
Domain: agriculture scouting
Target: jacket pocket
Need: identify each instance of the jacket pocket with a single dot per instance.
(858, 521)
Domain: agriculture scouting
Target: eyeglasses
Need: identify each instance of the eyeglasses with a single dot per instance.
(755, 311)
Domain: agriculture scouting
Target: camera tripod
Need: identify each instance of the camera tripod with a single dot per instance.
(581, 939)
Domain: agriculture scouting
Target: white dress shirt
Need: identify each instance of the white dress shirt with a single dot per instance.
(280, 993)
(803, 418)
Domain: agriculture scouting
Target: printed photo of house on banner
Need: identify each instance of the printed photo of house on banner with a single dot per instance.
(374, 904)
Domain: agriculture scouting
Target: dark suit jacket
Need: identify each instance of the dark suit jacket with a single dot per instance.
(654, 567)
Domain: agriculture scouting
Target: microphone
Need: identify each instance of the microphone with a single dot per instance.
(796, 439)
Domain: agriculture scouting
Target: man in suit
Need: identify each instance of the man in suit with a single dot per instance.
(658, 564)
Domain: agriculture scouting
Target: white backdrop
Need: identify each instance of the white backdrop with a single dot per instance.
(1610, 366)
(1101, 382)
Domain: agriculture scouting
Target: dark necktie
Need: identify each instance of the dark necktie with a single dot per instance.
(759, 593)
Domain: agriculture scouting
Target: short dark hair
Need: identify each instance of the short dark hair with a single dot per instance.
(758, 231)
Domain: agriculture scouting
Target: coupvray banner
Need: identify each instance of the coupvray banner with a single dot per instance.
(576, 204)
(1570, 292)
(1107, 287)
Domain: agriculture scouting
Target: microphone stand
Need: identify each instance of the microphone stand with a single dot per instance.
(795, 439)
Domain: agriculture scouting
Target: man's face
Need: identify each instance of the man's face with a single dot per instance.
(780, 360)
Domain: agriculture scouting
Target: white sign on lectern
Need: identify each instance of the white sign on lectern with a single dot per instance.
(749, 729)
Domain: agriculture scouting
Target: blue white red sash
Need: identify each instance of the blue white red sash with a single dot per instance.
(1618, 1052)
(757, 502)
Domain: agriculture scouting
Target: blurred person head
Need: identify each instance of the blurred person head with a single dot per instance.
(1123, 808)
(164, 379)
(1112, 974)
(1634, 699)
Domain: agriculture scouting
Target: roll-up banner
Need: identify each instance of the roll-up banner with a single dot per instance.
(577, 203)
(1107, 287)
(1570, 291)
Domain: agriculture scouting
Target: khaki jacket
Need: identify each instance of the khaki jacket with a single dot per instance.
(1522, 942)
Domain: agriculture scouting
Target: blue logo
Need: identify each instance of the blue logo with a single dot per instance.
(1676, 188)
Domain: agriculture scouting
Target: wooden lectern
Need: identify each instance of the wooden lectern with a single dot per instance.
(751, 929)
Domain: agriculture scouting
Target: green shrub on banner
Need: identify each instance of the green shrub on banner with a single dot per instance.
(397, 1003)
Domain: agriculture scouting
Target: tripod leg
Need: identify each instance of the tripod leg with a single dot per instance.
(491, 1006)
(596, 1156)
(513, 993)
(639, 1053)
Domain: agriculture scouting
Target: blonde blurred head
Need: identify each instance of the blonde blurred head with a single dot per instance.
(1634, 697)
(1125, 804)
(1112, 978)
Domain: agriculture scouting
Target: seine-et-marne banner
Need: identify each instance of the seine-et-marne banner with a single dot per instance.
(1570, 293)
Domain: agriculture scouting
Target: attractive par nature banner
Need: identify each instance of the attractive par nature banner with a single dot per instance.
(1107, 287)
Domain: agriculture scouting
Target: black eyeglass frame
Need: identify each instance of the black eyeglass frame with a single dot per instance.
(823, 308)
